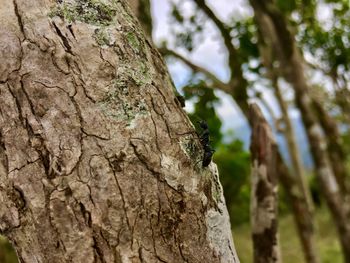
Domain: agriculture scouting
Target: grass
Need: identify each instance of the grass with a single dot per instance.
(326, 240)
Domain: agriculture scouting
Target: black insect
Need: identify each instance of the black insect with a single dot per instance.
(208, 154)
(204, 138)
(205, 135)
(181, 101)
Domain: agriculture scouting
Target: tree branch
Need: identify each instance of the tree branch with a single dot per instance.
(215, 81)
(234, 64)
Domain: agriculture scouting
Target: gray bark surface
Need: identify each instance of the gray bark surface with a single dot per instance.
(98, 162)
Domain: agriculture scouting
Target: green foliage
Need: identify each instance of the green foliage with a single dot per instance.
(329, 45)
(245, 32)
(176, 14)
(234, 169)
(7, 253)
(189, 34)
(346, 143)
(204, 109)
(286, 6)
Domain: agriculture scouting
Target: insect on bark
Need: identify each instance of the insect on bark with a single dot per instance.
(205, 141)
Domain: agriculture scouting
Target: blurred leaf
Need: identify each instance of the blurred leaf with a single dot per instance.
(176, 14)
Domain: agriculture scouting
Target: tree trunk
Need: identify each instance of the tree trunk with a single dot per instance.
(301, 200)
(274, 28)
(142, 10)
(98, 162)
(337, 155)
(293, 147)
(264, 190)
(342, 98)
(295, 185)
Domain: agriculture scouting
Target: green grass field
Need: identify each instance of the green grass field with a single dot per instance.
(327, 243)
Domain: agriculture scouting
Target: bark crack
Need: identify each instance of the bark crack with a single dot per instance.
(52, 87)
(99, 252)
(18, 106)
(121, 194)
(154, 242)
(142, 157)
(156, 134)
(22, 200)
(64, 39)
(3, 154)
(19, 18)
(21, 167)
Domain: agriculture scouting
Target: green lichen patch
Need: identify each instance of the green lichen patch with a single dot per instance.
(190, 147)
(88, 11)
(137, 72)
(117, 106)
(133, 41)
(142, 75)
(102, 37)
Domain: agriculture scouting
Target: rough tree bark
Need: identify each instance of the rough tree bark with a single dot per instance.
(273, 27)
(98, 162)
(264, 179)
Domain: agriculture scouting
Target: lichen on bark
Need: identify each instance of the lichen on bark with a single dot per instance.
(87, 11)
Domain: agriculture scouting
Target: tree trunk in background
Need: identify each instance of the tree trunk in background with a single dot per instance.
(295, 184)
(288, 132)
(142, 10)
(342, 94)
(337, 155)
(302, 215)
(301, 212)
(264, 179)
(301, 200)
(97, 160)
(274, 29)
(343, 100)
